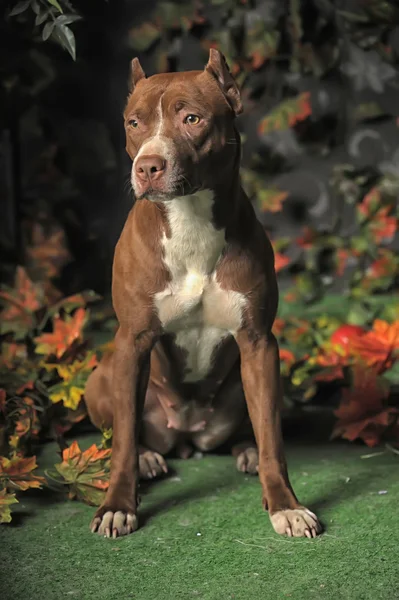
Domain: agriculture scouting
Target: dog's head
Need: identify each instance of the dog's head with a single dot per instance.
(180, 130)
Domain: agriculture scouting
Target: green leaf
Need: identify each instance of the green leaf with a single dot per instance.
(56, 5)
(36, 7)
(66, 38)
(48, 30)
(359, 315)
(67, 19)
(41, 18)
(19, 8)
(393, 374)
(142, 37)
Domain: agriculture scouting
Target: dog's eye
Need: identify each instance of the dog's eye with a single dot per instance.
(192, 119)
(133, 123)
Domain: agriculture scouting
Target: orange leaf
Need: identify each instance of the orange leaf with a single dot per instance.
(64, 334)
(377, 348)
(280, 261)
(16, 472)
(85, 472)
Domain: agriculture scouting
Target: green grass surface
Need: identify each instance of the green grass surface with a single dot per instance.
(204, 535)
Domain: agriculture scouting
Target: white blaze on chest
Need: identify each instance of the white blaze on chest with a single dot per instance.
(193, 305)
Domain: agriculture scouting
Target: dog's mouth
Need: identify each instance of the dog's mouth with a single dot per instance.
(156, 195)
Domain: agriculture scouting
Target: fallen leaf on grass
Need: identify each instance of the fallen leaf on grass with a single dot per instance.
(86, 473)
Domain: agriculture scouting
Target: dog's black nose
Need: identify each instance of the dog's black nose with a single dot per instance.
(150, 167)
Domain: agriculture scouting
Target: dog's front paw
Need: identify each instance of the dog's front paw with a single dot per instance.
(248, 460)
(298, 522)
(114, 523)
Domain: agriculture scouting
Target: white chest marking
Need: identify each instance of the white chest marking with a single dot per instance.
(193, 305)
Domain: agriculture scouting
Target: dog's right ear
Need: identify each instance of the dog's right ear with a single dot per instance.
(136, 73)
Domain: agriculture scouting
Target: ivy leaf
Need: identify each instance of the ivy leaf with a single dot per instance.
(65, 333)
(6, 500)
(287, 114)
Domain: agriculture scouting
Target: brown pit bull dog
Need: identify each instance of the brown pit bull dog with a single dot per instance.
(195, 293)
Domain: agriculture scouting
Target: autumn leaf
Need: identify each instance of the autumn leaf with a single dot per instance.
(65, 332)
(271, 199)
(16, 473)
(377, 217)
(307, 240)
(6, 500)
(379, 347)
(64, 422)
(47, 251)
(362, 412)
(287, 357)
(287, 114)
(21, 302)
(27, 419)
(85, 473)
(280, 261)
(74, 376)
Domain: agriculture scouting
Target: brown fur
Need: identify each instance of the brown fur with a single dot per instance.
(140, 390)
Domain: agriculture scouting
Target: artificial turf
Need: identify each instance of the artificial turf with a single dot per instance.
(204, 535)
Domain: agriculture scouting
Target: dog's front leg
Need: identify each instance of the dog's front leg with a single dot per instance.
(118, 513)
(260, 370)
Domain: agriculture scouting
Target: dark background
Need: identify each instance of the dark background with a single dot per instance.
(62, 151)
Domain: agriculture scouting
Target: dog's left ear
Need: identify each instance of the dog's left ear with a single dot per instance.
(217, 67)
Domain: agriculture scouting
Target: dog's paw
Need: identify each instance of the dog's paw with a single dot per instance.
(298, 522)
(114, 523)
(247, 461)
(151, 464)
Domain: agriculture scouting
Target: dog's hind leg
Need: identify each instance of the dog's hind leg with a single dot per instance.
(156, 439)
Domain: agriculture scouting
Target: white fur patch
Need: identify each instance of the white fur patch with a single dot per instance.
(193, 305)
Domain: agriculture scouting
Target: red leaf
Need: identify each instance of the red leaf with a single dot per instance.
(362, 412)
